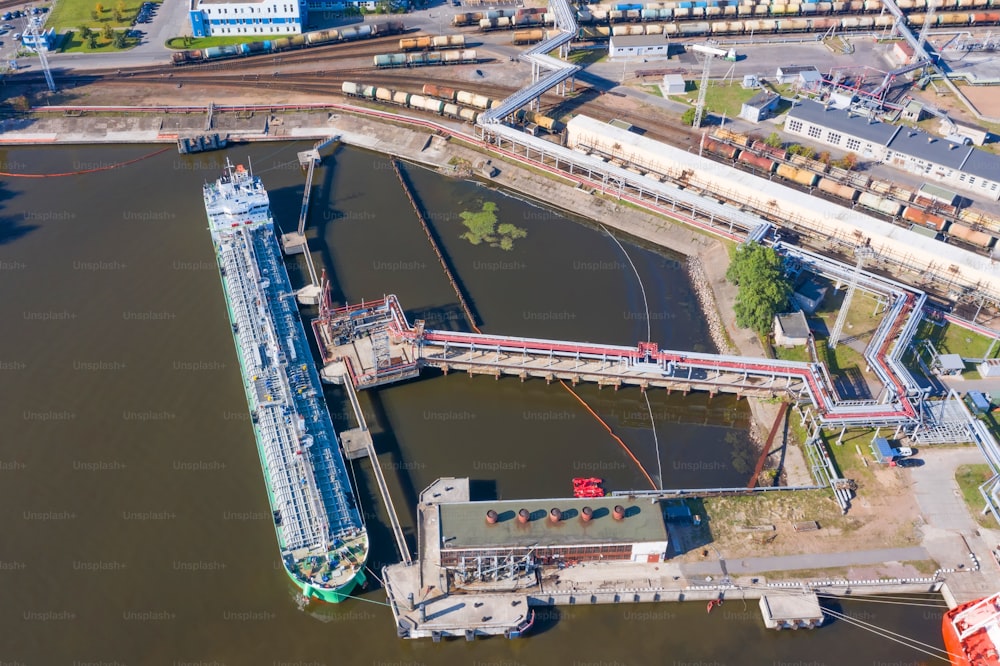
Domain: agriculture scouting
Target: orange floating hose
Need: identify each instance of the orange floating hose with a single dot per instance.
(612, 433)
(78, 173)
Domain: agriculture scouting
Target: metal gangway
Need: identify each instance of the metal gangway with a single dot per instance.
(565, 28)
(397, 529)
(295, 242)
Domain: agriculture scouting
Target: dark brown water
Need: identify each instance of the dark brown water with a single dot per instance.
(136, 529)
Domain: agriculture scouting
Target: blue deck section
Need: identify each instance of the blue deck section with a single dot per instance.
(328, 464)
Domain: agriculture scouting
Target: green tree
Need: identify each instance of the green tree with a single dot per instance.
(99, 8)
(764, 290)
(119, 39)
(688, 117)
(85, 33)
(107, 32)
(118, 16)
(773, 140)
(92, 40)
(94, 15)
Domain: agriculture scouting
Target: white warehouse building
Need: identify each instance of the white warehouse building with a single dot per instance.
(210, 18)
(792, 207)
(945, 162)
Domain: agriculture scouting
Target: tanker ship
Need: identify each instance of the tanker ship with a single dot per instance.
(323, 541)
(972, 633)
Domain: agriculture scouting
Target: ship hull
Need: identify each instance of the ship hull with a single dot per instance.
(330, 596)
(957, 653)
(304, 472)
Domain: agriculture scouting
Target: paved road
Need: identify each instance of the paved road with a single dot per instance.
(752, 565)
(950, 532)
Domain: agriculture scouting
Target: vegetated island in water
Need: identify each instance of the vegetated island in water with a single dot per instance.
(482, 227)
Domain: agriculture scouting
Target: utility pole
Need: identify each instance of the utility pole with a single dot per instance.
(861, 252)
(699, 108)
(32, 30)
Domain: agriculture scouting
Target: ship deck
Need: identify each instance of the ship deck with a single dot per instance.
(318, 523)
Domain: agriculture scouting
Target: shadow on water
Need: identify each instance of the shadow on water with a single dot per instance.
(11, 226)
(321, 221)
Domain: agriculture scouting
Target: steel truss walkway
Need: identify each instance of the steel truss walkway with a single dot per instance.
(901, 403)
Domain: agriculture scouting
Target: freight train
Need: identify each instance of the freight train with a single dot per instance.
(427, 42)
(505, 18)
(900, 204)
(530, 119)
(462, 57)
(411, 100)
(756, 26)
(304, 40)
(699, 9)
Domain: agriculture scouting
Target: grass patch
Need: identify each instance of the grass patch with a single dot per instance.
(584, 57)
(68, 14)
(205, 42)
(71, 43)
(952, 339)
(969, 478)
(724, 98)
(792, 354)
(652, 90)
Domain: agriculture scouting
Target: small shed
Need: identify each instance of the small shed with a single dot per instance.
(930, 191)
(980, 403)
(973, 133)
(809, 296)
(901, 52)
(47, 40)
(673, 84)
(760, 106)
(809, 80)
(989, 368)
(750, 81)
(949, 364)
(790, 73)
(791, 330)
(883, 452)
(631, 46)
(913, 112)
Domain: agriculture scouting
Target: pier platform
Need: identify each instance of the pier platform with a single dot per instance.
(791, 611)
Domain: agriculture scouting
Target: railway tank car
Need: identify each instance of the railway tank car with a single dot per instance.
(305, 40)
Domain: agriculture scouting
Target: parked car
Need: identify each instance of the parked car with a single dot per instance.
(909, 462)
(903, 451)
(17, 36)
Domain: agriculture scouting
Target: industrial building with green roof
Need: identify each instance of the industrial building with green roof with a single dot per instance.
(552, 531)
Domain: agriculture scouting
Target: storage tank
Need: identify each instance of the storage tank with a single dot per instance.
(616, 15)
(349, 88)
(414, 59)
(619, 30)
(695, 28)
(778, 9)
(713, 12)
(884, 21)
(744, 10)
(831, 186)
(793, 25)
(637, 30)
(729, 10)
(920, 217)
(383, 60)
(971, 236)
(905, 5)
(439, 91)
(881, 204)
(504, 22)
(839, 7)
(953, 19)
(367, 91)
(682, 13)
(383, 94)
(407, 44)
(416, 101)
(825, 23)
(822, 7)
(469, 115)
(487, 24)
(400, 97)
(756, 161)
(279, 44)
(450, 110)
(654, 29)
(527, 36)
(872, 6)
(697, 12)
(434, 105)
(720, 149)
(800, 176)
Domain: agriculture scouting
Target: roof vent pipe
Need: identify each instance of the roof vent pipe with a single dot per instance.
(619, 513)
(523, 516)
(555, 515)
(586, 514)
(491, 517)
